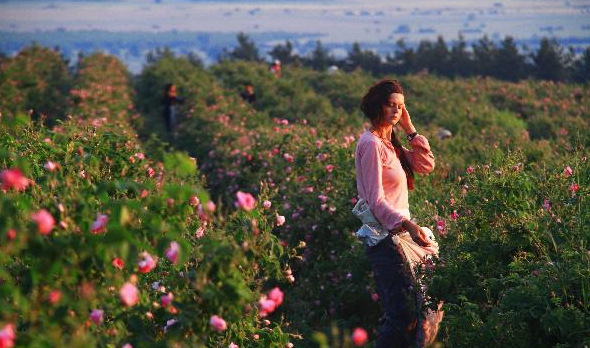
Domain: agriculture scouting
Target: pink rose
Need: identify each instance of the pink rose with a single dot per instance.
(146, 263)
(54, 296)
(288, 157)
(100, 224)
(266, 204)
(97, 316)
(375, 296)
(329, 168)
(7, 336)
(276, 295)
(129, 294)
(469, 170)
(13, 179)
(266, 306)
(144, 193)
(280, 220)
(50, 166)
(44, 220)
(567, 171)
(454, 215)
(173, 252)
(217, 323)
(233, 345)
(210, 206)
(359, 337)
(167, 299)
(194, 201)
(547, 206)
(200, 232)
(118, 263)
(245, 201)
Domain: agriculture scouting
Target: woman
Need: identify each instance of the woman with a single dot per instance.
(384, 174)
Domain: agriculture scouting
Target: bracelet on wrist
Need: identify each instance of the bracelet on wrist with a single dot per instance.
(411, 136)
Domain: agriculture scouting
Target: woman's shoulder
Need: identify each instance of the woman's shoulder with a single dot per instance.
(368, 140)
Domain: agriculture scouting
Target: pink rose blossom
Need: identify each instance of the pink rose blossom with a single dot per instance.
(118, 263)
(127, 345)
(245, 201)
(7, 336)
(454, 215)
(280, 220)
(200, 232)
(97, 316)
(44, 220)
(567, 171)
(217, 323)
(210, 206)
(150, 172)
(266, 204)
(194, 201)
(288, 157)
(100, 224)
(167, 299)
(318, 143)
(470, 170)
(574, 188)
(50, 166)
(144, 193)
(140, 155)
(173, 252)
(375, 296)
(359, 337)
(13, 179)
(266, 306)
(233, 345)
(289, 345)
(547, 206)
(129, 294)
(146, 263)
(11, 234)
(54, 296)
(276, 295)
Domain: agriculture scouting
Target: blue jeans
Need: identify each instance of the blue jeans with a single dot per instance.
(395, 287)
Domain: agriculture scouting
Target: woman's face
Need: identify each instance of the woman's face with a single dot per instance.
(392, 111)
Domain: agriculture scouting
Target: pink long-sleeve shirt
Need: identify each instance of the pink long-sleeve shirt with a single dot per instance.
(381, 180)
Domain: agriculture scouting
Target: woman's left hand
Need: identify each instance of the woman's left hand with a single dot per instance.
(406, 122)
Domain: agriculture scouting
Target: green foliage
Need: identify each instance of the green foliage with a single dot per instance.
(36, 79)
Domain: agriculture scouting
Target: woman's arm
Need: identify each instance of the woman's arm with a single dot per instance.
(420, 157)
(371, 181)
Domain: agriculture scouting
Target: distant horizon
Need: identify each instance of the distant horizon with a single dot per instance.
(205, 27)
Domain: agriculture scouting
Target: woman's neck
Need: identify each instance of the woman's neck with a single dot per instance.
(382, 132)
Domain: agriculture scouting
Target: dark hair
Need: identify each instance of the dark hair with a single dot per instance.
(372, 108)
(248, 83)
(167, 89)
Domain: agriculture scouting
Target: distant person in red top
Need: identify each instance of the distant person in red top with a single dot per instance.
(248, 94)
(171, 101)
(275, 68)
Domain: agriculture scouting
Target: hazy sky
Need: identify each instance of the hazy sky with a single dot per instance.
(335, 20)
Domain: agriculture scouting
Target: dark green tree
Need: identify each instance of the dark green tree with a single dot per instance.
(364, 59)
(246, 50)
(551, 61)
(283, 53)
(320, 59)
(460, 60)
(510, 64)
(484, 54)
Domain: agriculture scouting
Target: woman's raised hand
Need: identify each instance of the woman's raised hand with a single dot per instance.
(406, 122)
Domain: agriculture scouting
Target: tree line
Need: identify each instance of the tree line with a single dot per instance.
(503, 60)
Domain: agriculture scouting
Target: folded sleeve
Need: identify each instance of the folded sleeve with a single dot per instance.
(420, 157)
(372, 181)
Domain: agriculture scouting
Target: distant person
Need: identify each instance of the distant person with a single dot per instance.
(276, 69)
(248, 94)
(171, 101)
